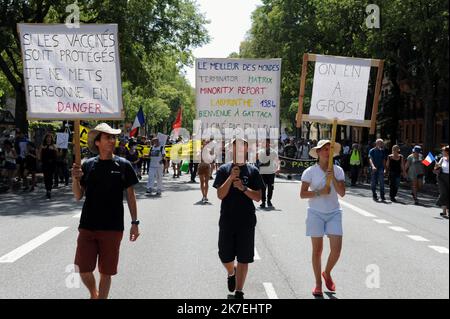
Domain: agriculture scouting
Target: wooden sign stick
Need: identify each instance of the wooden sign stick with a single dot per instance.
(76, 142)
(331, 157)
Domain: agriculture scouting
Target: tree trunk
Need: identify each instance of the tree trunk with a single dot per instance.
(21, 110)
(429, 115)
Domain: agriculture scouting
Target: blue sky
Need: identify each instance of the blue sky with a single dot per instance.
(229, 22)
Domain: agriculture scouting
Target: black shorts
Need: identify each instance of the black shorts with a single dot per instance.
(238, 243)
(269, 179)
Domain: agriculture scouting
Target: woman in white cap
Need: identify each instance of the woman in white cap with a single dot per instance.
(324, 214)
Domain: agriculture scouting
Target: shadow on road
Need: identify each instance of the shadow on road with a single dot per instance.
(24, 203)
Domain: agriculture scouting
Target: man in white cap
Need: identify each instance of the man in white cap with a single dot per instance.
(155, 169)
(238, 184)
(103, 179)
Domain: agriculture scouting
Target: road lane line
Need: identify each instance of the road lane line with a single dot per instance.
(382, 221)
(31, 245)
(270, 291)
(257, 257)
(417, 238)
(440, 249)
(399, 229)
(357, 209)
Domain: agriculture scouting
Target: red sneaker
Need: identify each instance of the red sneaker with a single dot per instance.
(317, 292)
(329, 282)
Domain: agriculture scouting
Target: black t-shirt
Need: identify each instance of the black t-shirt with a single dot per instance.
(237, 209)
(104, 186)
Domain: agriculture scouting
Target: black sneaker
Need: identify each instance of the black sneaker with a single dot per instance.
(238, 295)
(375, 197)
(383, 198)
(269, 204)
(232, 281)
(263, 205)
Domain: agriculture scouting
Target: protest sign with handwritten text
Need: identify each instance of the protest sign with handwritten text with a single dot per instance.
(238, 93)
(71, 73)
(340, 88)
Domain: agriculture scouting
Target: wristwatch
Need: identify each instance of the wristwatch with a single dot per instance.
(135, 222)
(245, 189)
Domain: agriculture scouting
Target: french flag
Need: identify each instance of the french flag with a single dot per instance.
(138, 122)
(429, 159)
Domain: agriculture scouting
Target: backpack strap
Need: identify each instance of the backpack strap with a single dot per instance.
(90, 165)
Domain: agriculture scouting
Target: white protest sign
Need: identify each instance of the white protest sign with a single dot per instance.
(340, 88)
(62, 140)
(162, 138)
(238, 93)
(71, 73)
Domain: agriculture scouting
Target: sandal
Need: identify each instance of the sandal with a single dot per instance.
(329, 282)
(317, 292)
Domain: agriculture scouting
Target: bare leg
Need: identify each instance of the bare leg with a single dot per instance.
(104, 286)
(230, 268)
(202, 185)
(414, 189)
(317, 247)
(241, 275)
(335, 252)
(88, 280)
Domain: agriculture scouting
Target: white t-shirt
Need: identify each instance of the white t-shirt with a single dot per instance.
(157, 153)
(268, 163)
(317, 178)
(444, 165)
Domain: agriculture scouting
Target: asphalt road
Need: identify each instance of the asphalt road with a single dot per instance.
(390, 250)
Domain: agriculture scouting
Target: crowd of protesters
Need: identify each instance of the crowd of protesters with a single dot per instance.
(370, 163)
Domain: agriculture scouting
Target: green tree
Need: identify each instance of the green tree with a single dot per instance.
(413, 41)
(148, 30)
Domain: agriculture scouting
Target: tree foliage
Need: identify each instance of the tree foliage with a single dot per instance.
(156, 38)
(413, 41)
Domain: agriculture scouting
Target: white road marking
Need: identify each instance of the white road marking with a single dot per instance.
(270, 291)
(31, 245)
(77, 215)
(417, 238)
(257, 257)
(399, 229)
(382, 221)
(357, 209)
(440, 249)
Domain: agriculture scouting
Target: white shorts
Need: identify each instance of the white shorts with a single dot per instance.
(319, 224)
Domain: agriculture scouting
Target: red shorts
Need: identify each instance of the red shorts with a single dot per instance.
(104, 244)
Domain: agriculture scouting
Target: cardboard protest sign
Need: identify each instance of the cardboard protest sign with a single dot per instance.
(162, 138)
(62, 140)
(71, 73)
(238, 93)
(340, 88)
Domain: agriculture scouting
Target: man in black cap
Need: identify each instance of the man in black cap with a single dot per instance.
(238, 184)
